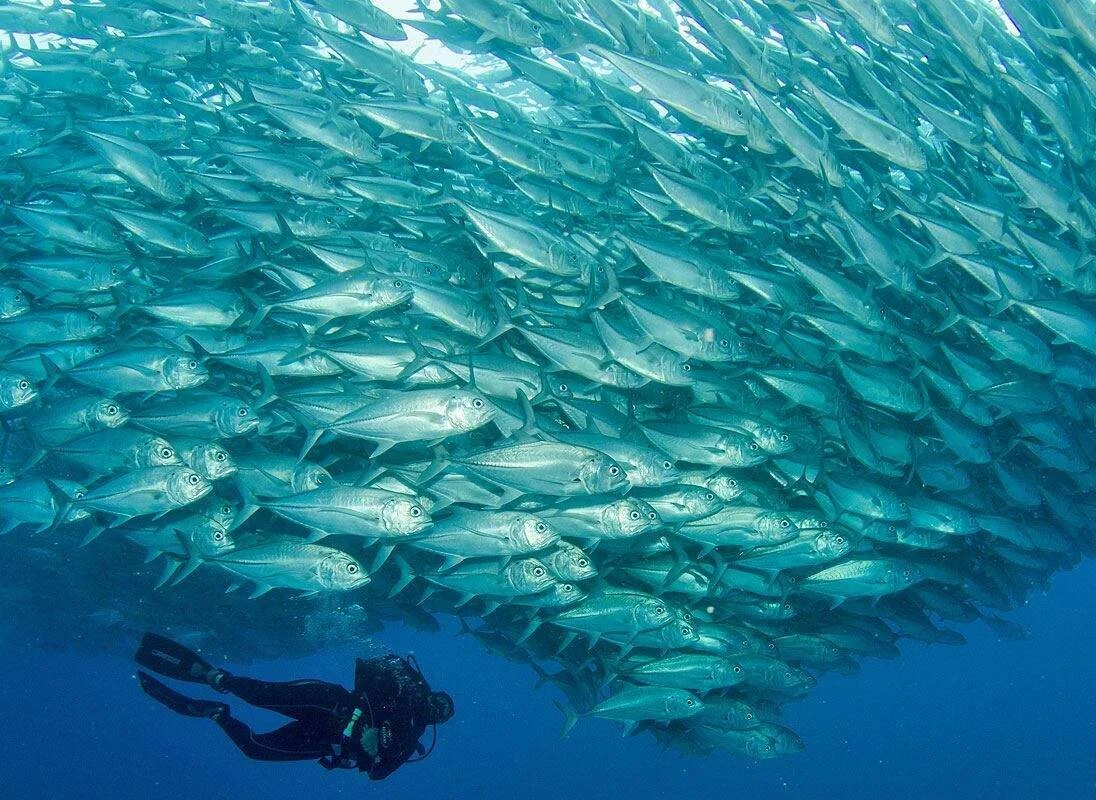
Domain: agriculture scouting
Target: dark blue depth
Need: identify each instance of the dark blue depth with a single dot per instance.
(985, 721)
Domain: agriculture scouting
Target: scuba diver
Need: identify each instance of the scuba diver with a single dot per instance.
(375, 728)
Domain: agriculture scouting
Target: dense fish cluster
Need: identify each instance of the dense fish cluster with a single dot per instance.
(698, 347)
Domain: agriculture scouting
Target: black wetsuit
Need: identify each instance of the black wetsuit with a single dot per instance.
(390, 694)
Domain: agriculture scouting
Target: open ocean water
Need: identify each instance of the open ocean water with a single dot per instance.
(988, 721)
(709, 355)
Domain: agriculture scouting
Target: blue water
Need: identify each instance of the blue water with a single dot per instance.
(989, 720)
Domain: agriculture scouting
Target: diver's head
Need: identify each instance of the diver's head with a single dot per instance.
(439, 708)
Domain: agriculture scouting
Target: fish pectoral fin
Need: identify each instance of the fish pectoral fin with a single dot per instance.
(450, 562)
(383, 446)
(259, 590)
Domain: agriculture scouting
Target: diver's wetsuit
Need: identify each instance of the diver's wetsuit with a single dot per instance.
(319, 711)
(390, 694)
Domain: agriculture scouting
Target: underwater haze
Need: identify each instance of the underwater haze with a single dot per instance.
(718, 373)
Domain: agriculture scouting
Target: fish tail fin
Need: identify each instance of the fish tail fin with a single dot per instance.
(436, 467)
(569, 718)
(171, 567)
(251, 505)
(406, 576)
(192, 560)
(94, 531)
(530, 427)
(504, 321)
(268, 392)
(530, 629)
(61, 501)
(422, 358)
(262, 308)
(54, 372)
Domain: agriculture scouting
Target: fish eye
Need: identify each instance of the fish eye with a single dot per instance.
(398, 284)
(192, 364)
(634, 515)
(686, 368)
(113, 270)
(784, 437)
(709, 496)
(536, 26)
(840, 540)
(784, 523)
(787, 676)
(461, 127)
(351, 568)
(97, 350)
(193, 479)
(753, 446)
(724, 342)
(652, 515)
(690, 703)
(166, 452)
(79, 494)
(541, 527)
(582, 562)
(218, 536)
(614, 471)
(737, 668)
(242, 411)
(416, 511)
(221, 455)
(538, 572)
(112, 410)
(667, 464)
(660, 610)
(477, 403)
(749, 716)
(563, 387)
(568, 587)
(24, 385)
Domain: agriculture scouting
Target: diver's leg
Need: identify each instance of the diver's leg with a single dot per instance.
(179, 703)
(303, 700)
(293, 742)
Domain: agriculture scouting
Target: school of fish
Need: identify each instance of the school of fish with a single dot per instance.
(695, 347)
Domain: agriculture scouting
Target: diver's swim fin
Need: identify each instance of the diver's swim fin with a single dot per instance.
(180, 704)
(160, 654)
